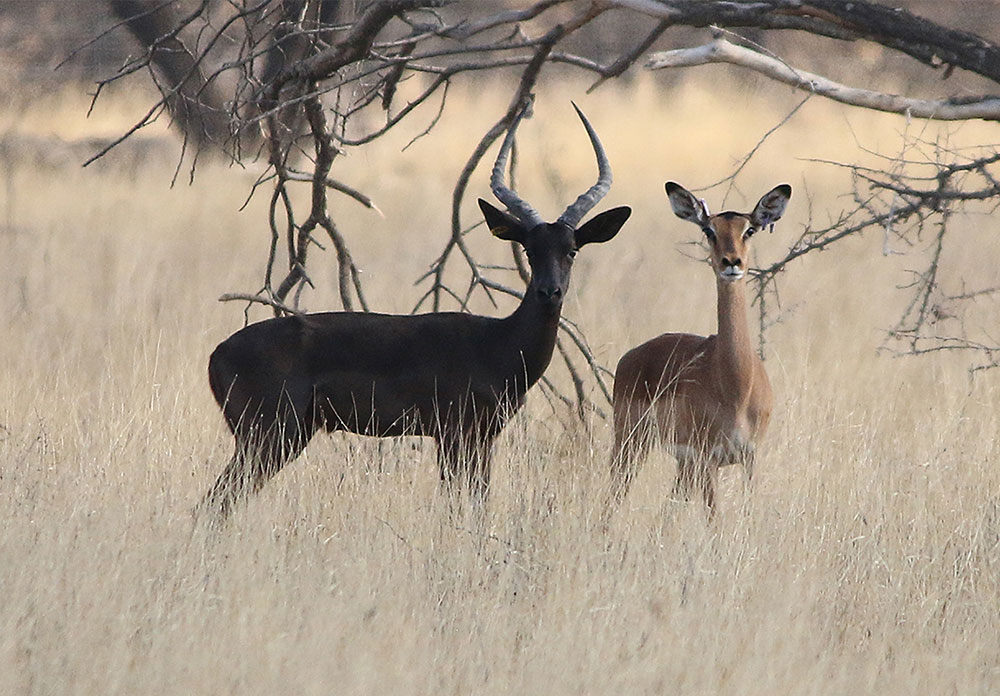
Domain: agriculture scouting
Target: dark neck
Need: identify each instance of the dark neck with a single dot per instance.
(530, 336)
(734, 355)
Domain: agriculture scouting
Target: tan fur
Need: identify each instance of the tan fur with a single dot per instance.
(708, 400)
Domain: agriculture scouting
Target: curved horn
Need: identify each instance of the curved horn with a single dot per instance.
(521, 210)
(582, 205)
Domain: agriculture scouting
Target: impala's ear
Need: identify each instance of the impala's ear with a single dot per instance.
(686, 206)
(603, 227)
(771, 206)
(502, 225)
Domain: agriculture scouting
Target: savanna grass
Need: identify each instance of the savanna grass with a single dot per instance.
(865, 559)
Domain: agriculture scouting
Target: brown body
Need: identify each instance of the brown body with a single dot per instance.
(708, 400)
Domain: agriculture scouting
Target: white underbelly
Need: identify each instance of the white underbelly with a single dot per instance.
(732, 450)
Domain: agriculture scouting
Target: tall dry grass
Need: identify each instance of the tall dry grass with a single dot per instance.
(865, 559)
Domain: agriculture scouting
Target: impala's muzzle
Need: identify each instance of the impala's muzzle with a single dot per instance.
(732, 269)
(551, 295)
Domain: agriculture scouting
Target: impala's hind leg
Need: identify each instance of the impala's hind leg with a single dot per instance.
(629, 451)
(707, 474)
(449, 456)
(464, 459)
(633, 439)
(249, 469)
(263, 447)
(632, 445)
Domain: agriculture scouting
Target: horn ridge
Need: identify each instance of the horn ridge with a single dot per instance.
(587, 200)
(518, 207)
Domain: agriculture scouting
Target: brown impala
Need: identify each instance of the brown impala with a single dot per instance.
(455, 377)
(707, 399)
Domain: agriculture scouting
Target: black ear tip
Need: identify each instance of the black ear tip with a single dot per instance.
(671, 186)
(617, 215)
(785, 190)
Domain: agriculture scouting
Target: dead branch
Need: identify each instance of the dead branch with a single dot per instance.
(722, 51)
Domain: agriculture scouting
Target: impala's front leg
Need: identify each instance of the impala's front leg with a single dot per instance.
(696, 473)
(465, 457)
(749, 460)
(478, 467)
(449, 458)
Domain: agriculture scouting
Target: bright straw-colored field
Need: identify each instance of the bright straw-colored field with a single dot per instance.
(865, 560)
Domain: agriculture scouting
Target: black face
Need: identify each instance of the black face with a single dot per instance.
(552, 246)
(550, 249)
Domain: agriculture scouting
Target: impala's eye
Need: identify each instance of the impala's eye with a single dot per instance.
(571, 253)
(751, 231)
(709, 232)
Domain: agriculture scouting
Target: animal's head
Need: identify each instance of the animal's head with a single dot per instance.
(552, 246)
(729, 233)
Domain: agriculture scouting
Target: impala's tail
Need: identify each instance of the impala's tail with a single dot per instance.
(221, 378)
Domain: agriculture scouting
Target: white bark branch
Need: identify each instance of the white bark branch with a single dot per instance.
(652, 8)
(722, 51)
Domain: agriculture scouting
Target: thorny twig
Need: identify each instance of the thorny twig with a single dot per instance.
(907, 199)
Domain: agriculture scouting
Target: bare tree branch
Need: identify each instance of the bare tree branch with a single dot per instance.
(722, 51)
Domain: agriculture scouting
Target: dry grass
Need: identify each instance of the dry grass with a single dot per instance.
(866, 559)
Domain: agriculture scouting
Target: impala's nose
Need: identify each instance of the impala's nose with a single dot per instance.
(553, 294)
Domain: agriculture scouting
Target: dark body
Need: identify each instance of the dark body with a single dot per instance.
(455, 377)
(369, 373)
